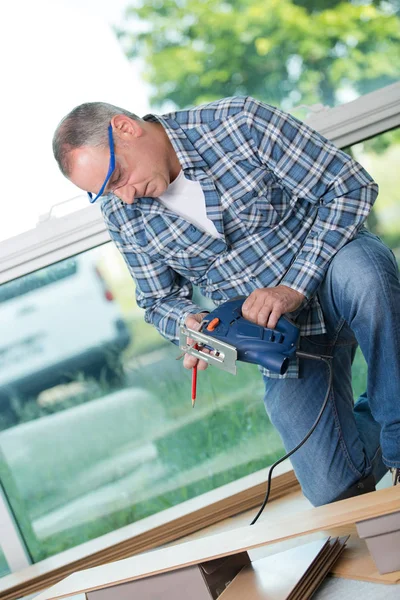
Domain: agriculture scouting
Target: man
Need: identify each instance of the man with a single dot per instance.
(240, 198)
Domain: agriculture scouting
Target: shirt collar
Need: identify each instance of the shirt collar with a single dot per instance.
(186, 152)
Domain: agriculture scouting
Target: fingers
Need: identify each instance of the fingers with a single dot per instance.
(263, 307)
(273, 319)
(193, 322)
(190, 361)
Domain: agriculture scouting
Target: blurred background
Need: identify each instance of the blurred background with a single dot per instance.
(96, 425)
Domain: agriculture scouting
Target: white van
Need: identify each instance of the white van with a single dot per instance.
(55, 323)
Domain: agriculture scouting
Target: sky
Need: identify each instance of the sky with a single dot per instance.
(55, 55)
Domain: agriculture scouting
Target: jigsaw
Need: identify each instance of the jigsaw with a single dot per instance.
(228, 337)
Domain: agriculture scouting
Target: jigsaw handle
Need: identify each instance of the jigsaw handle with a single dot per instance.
(269, 348)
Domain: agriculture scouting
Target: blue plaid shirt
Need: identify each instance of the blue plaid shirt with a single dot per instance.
(284, 198)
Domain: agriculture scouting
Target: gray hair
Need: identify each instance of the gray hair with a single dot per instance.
(86, 125)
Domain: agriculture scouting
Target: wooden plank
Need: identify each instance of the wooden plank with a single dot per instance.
(276, 576)
(357, 563)
(341, 513)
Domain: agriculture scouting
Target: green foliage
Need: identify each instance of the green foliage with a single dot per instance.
(284, 52)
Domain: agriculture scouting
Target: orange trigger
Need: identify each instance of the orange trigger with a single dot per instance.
(212, 324)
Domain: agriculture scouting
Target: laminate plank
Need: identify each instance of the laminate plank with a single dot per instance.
(337, 514)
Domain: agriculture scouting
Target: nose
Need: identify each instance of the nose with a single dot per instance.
(125, 193)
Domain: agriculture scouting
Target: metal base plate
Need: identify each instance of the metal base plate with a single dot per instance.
(223, 355)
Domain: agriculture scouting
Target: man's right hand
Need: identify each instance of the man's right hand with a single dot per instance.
(193, 322)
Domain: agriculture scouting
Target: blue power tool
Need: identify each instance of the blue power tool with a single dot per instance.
(231, 337)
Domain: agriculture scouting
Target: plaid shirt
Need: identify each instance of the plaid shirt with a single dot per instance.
(284, 198)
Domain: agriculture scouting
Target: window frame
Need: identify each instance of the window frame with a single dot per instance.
(11, 542)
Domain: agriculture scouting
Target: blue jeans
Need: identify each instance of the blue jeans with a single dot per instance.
(360, 300)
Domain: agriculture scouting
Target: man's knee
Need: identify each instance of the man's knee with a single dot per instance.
(353, 273)
(359, 277)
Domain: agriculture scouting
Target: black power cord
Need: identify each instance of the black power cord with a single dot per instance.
(327, 360)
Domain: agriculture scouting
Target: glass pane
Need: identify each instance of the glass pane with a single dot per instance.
(4, 570)
(381, 157)
(97, 427)
(285, 52)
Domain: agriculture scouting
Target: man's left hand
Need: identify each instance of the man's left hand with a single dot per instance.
(264, 306)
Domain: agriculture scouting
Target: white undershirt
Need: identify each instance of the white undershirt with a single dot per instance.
(186, 198)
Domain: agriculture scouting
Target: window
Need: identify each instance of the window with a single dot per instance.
(35, 281)
(97, 425)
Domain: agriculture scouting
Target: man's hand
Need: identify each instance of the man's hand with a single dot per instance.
(264, 306)
(193, 322)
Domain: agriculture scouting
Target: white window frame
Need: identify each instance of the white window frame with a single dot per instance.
(56, 239)
(11, 542)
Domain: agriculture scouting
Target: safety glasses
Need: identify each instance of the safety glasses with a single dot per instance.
(111, 167)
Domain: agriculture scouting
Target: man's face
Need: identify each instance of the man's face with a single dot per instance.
(142, 162)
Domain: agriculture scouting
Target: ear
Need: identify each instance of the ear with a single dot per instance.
(125, 127)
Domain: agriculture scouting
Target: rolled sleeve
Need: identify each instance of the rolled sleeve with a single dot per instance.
(163, 293)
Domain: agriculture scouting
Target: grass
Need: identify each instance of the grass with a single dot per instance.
(93, 529)
(219, 428)
(229, 412)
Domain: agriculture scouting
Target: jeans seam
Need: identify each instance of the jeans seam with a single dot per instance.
(339, 328)
(378, 451)
(342, 443)
(341, 438)
(337, 421)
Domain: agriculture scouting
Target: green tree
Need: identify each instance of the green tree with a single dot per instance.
(285, 52)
